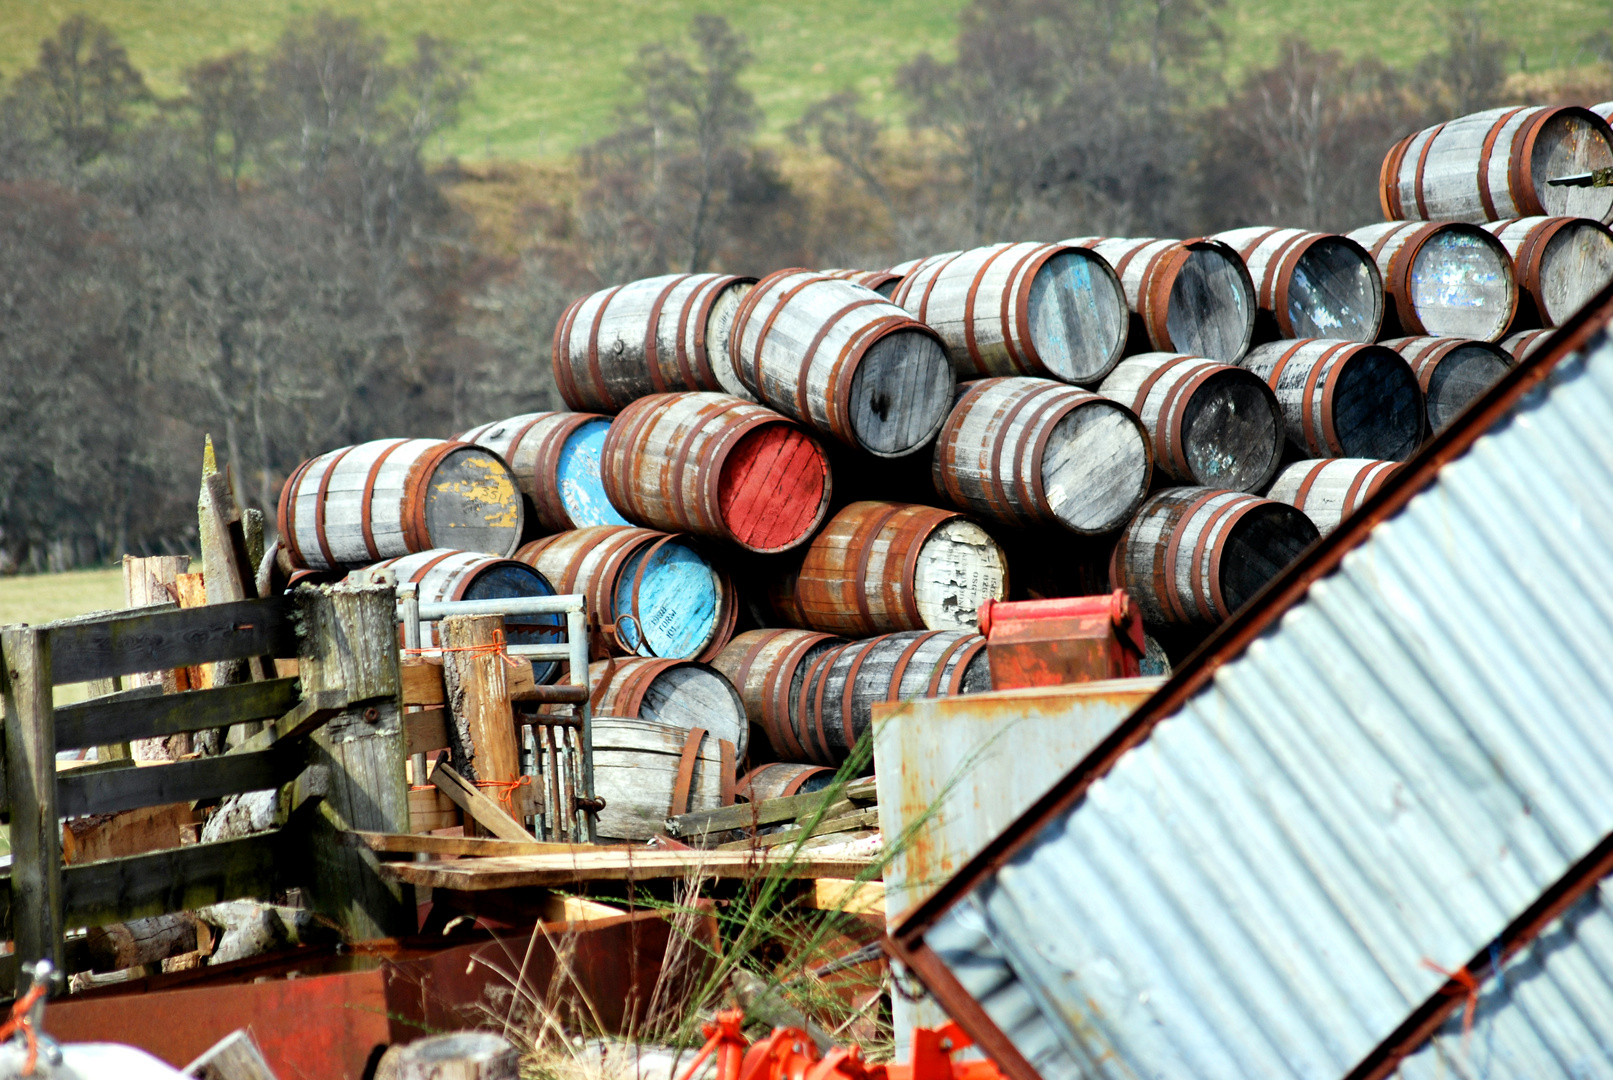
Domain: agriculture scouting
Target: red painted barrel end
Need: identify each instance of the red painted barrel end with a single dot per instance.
(774, 489)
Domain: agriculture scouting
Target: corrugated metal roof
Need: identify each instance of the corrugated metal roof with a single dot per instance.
(1371, 790)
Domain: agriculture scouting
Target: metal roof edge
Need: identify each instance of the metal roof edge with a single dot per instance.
(1237, 634)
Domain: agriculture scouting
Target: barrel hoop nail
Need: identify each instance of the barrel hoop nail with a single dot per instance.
(595, 371)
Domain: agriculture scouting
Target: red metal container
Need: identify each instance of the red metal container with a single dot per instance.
(1068, 640)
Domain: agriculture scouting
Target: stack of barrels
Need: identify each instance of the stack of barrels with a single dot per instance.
(786, 498)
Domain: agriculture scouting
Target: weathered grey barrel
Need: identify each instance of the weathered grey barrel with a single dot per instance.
(1604, 109)
(1189, 296)
(1560, 263)
(716, 466)
(781, 779)
(649, 593)
(1522, 344)
(1328, 490)
(1343, 398)
(1054, 310)
(378, 500)
(637, 771)
(1442, 278)
(1310, 285)
(842, 360)
(841, 687)
(1211, 424)
(882, 567)
(653, 336)
(444, 574)
(1193, 556)
(766, 667)
(555, 458)
(1036, 452)
(1451, 372)
(682, 693)
(883, 282)
(1498, 164)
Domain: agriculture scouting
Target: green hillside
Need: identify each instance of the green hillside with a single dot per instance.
(552, 70)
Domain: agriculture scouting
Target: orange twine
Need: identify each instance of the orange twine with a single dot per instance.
(506, 796)
(496, 647)
(1467, 988)
(19, 1022)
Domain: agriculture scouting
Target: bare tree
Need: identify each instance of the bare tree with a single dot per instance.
(83, 89)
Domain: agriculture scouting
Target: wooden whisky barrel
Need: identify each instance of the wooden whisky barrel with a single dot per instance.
(1497, 164)
(1604, 109)
(444, 574)
(1310, 285)
(1451, 372)
(1560, 263)
(637, 772)
(882, 567)
(555, 458)
(1210, 424)
(883, 282)
(1522, 344)
(840, 689)
(1442, 278)
(1189, 296)
(1052, 310)
(1343, 398)
(649, 593)
(682, 693)
(653, 336)
(842, 360)
(782, 779)
(1328, 490)
(716, 466)
(1193, 556)
(378, 500)
(766, 667)
(1032, 451)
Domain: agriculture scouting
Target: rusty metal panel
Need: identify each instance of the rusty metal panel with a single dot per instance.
(1363, 785)
(954, 772)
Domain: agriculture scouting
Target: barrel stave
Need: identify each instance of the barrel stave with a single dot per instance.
(1452, 372)
(1560, 263)
(555, 458)
(1310, 284)
(1343, 399)
(1442, 278)
(1190, 296)
(1328, 490)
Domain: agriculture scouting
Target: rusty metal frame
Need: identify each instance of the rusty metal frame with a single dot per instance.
(906, 942)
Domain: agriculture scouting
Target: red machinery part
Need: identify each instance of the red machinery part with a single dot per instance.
(790, 1054)
(1067, 640)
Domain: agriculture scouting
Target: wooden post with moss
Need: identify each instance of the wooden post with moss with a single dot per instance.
(36, 834)
(348, 642)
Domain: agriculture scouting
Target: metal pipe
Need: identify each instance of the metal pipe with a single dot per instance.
(577, 638)
(514, 605)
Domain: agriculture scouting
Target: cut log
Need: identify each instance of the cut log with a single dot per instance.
(140, 941)
(482, 729)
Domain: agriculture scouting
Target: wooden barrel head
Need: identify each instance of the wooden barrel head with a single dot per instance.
(773, 491)
(1261, 544)
(1461, 285)
(1576, 265)
(901, 393)
(1078, 316)
(1096, 468)
(693, 695)
(505, 579)
(1335, 292)
(1566, 144)
(679, 601)
(959, 567)
(1461, 375)
(471, 503)
(581, 490)
(1377, 406)
(1212, 305)
(1233, 432)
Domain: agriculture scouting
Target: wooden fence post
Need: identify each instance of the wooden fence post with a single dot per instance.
(348, 642)
(36, 834)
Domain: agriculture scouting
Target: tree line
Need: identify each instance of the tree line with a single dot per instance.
(271, 256)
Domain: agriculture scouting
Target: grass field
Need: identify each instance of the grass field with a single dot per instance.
(552, 70)
(40, 598)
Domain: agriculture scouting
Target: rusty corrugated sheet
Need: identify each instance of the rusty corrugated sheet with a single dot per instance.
(1373, 777)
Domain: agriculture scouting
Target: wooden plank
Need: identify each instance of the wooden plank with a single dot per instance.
(862, 819)
(306, 716)
(422, 681)
(180, 781)
(618, 863)
(36, 835)
(132, 832)
(473, 846)
(425, 730)
(430, 809)
(484, 810)
(766, 812)
(852, 897)
(178, 879)
(148, 713)
(121, 644)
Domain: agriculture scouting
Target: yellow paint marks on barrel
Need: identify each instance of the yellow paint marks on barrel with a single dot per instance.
(496, 493)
